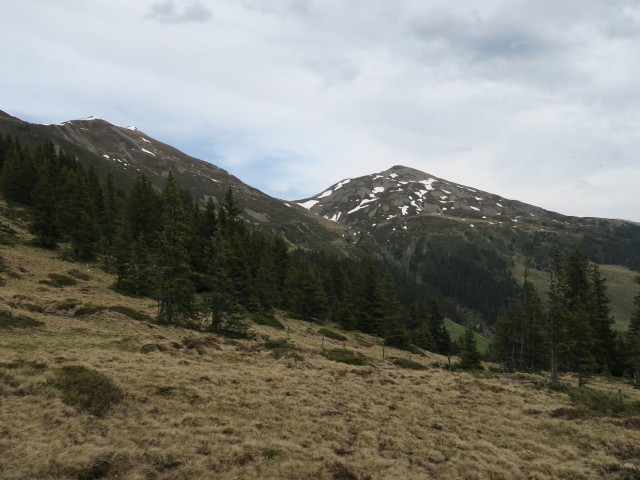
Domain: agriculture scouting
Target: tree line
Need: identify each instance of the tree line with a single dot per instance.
(572, 330)
(204, 261)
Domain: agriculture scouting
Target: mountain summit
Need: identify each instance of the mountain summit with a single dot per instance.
(404, 192)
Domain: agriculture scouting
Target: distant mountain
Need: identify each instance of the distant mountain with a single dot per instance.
(126, 152)
(460, 240)
(405, 192)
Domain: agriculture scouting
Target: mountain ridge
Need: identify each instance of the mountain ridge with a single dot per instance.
(422, 223)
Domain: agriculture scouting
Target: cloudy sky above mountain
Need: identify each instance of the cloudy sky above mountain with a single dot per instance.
(537, 101)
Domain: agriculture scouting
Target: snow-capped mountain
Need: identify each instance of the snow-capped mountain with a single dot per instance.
(403, 192)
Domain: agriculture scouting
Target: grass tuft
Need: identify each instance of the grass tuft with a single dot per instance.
(410, 364)
(345, 356)
(87, 390)
(88, 309)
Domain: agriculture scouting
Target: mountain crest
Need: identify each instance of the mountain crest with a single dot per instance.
(403, 192)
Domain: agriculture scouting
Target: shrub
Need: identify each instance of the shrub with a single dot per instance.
(67, 304)
(131, 313)
(87, 390)
(153, 347)
(32, 307)
(281, 348)
(602, 403)
(8, 320)
(79, 275)
(268, 319)
(345, 356)
(410, 364)
(59, 281)
(331, 334)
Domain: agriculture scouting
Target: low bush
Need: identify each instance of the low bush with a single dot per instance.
(345, 356)
(153, 347)
(331, 334)
(8, 321)
(32, 307)
(87, 390)
(131, 313)
(59, 281)
(268, 319)
(79, 274)
(67, 304)
(281, 348)
(601, 403)
(410, 364)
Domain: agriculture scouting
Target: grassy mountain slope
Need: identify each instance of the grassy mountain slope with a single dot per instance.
(191, 405)
(621, 289)
(125, 153)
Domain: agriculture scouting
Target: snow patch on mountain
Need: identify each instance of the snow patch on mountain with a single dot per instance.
(342, 183)
(309, 204)
(363, 204)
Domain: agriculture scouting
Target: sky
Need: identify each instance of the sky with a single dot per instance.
(534, 100)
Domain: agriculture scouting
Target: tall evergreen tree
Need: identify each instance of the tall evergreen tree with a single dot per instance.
(470, 357)
(19, 176)
(176, 291)
(633, 338)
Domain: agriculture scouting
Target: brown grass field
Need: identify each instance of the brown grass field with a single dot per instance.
(199, 406)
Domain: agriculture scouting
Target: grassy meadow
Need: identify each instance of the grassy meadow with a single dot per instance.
(91, 388)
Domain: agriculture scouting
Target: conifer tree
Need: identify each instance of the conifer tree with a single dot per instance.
(176, 292)
(633, 338)
(470, 357)
(601, 322)
(45, 224)
(19, 176)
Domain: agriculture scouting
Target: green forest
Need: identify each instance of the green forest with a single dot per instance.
(204, 265)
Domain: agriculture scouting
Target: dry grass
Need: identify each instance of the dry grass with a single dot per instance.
(199, 406)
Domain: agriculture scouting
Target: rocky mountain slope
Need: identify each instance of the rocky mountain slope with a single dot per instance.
(406, 192)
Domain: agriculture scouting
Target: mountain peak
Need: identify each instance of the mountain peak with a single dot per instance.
(403, 192)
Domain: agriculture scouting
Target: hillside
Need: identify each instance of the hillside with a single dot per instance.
(621, 289)
(126, 152)
(191, 405)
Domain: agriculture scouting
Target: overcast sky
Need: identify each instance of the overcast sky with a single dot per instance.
(534, 100)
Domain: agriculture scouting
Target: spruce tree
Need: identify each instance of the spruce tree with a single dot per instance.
(601, 322)
(176, 291)
(470, 357)
(633, 338)
(19, 176)
(438, 329)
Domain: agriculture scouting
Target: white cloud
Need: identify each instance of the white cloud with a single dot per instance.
(169, 11)
(530, 100)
